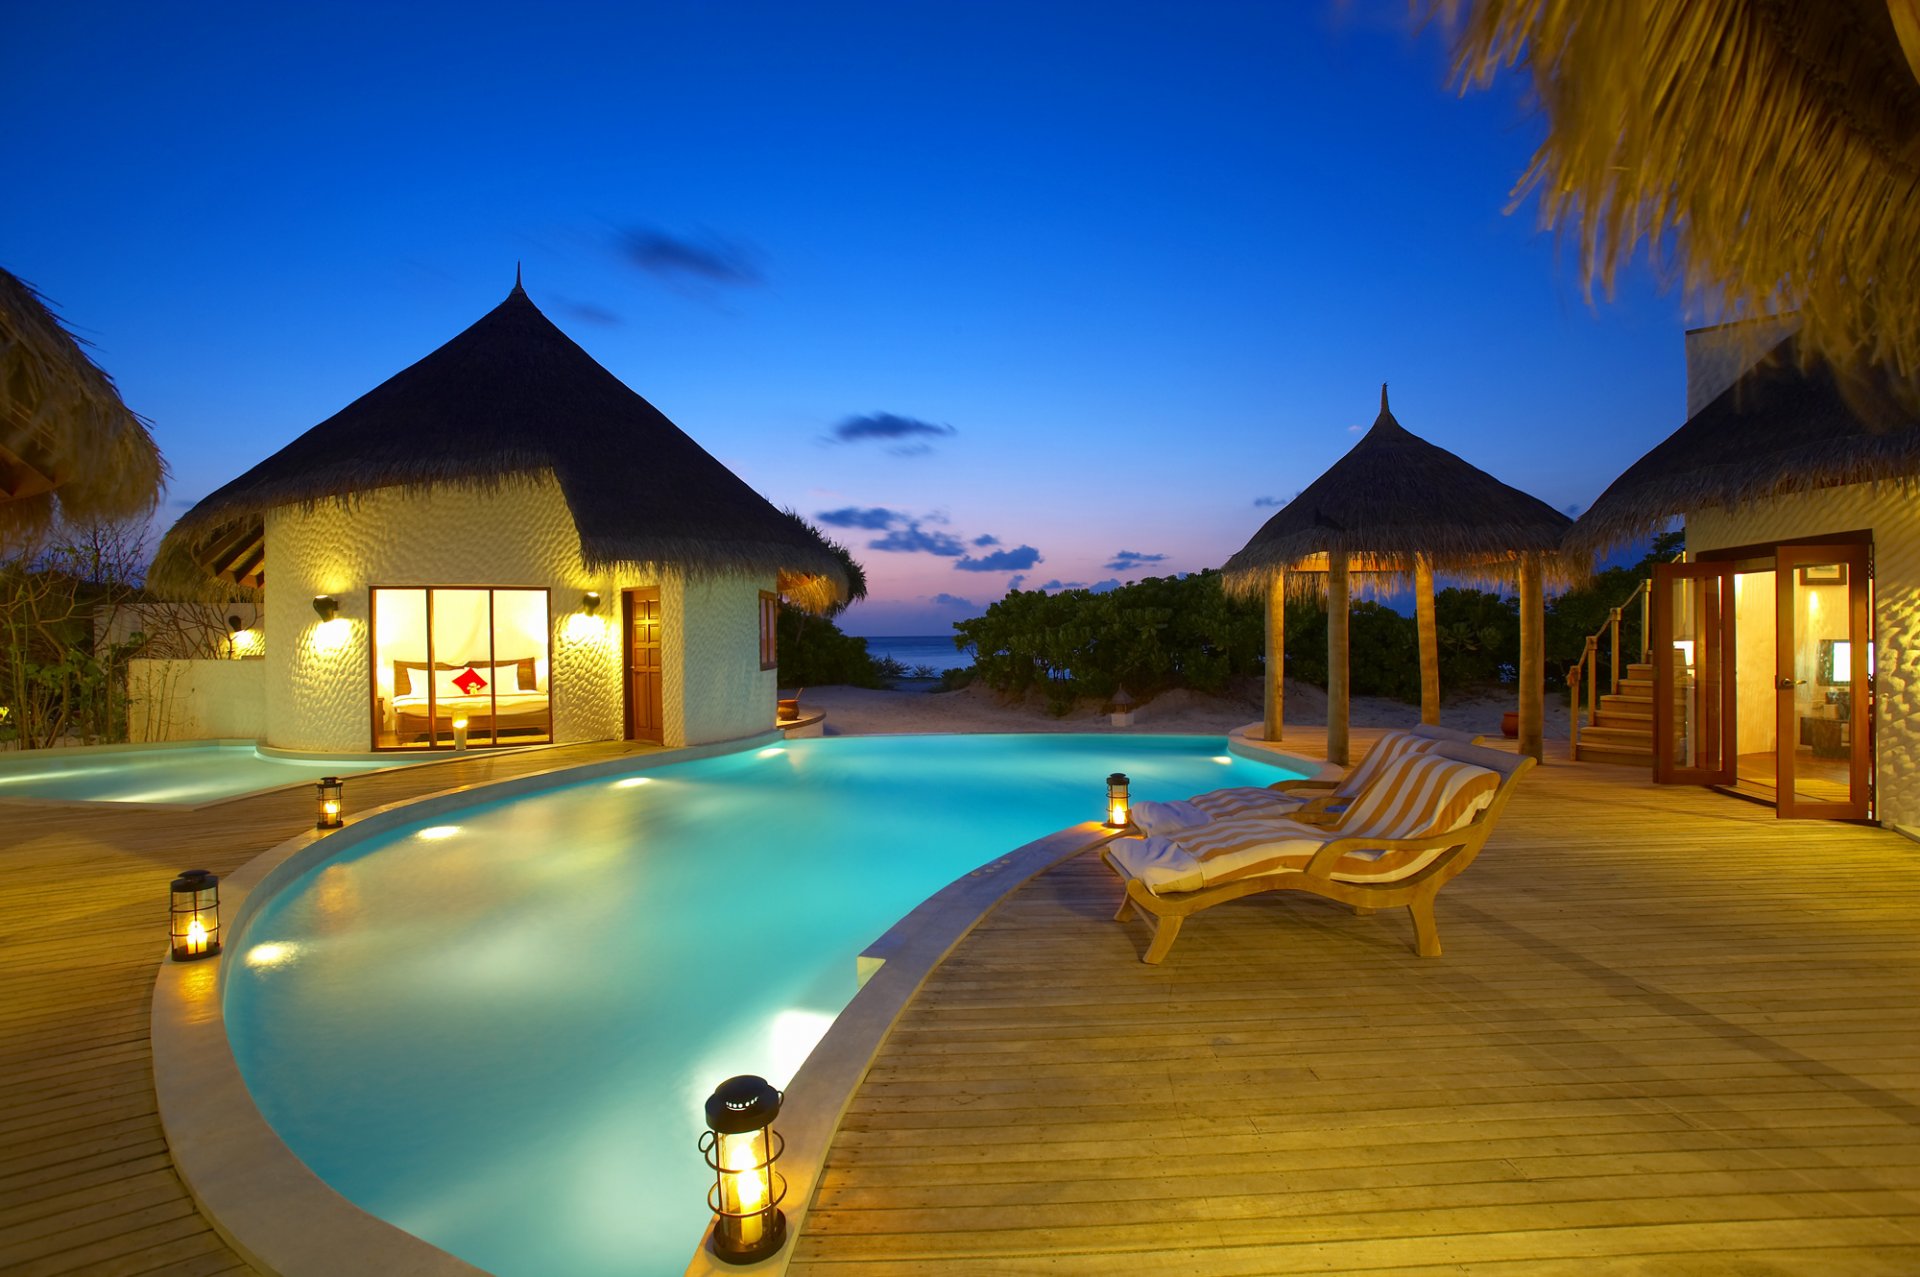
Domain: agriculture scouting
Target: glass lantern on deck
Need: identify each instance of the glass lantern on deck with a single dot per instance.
(1118, 811)
(741, 1146)
(331, 795)
(193, 915)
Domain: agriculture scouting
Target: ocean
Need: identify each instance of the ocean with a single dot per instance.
(913, 650)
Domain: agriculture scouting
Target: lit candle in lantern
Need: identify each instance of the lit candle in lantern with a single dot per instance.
(1117, 809)
(741, 1147)
(332, 796)
(194, 915)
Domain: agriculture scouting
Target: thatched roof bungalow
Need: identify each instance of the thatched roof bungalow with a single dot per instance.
(66, 439)
(505, 534)
(1800, 492)
(1398, 507)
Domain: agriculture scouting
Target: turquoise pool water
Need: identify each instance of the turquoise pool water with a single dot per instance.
(497, 1030)
(190, 775)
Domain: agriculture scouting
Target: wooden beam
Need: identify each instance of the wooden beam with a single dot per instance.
(1533, 653)
(250, 564)
(1429, 639)
(1276, 655)
(1337, 604)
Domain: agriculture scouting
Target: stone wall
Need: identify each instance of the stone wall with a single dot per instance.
(1891, 511)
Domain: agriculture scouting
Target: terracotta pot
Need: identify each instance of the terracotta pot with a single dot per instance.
(787, 709)
(1510, 724)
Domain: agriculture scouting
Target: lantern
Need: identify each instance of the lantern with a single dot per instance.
(1117, 813)
(741, 1146)
(331, 792)
(459, 733)
(325, 606)
(193, 921)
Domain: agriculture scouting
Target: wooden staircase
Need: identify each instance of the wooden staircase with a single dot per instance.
(1622, 727)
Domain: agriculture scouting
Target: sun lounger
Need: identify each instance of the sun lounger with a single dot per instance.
(1303, 799)
(1415, 827)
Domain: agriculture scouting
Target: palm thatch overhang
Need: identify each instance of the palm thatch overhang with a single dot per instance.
(1395, 497)
(1765, 152)
(1781, 427)
(509, 399)
(66, 439)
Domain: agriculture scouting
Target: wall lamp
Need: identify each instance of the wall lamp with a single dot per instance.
(326, 606)
(590, 602)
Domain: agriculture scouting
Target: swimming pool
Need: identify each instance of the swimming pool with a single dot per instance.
(497, 1030)
(187, 775)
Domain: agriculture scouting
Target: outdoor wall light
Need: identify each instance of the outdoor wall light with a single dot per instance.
(331, 791)
(235, 625)
(1118, 815)
(326, 606)
(193, 915)
(590, 602)
(741, 1146)
(459, 733)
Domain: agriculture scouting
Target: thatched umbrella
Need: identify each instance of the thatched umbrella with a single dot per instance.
(1778, 428)
(1765, 150)
(510, 397)
(65, 436)
(1397, 507)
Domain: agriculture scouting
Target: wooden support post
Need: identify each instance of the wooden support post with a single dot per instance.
(1614, 674)
(1337, 606)
(1429, 639)
(1533, 653)
(1276, 655)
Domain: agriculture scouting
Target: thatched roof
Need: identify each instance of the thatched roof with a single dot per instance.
(65, 436)
(1779, 428)
(1393, 497)
(1764, 150)
(511, 397)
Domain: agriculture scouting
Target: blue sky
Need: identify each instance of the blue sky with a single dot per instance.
(1013, 293)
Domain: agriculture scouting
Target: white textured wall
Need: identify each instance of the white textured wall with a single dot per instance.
(1892, 512)
(725, 692)
(196, 700)
(519, 534)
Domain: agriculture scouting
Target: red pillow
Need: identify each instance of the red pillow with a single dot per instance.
(469, 681)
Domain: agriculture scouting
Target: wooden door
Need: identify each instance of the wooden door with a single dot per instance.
(645, 720)
(1824, 682)
(1695, 734)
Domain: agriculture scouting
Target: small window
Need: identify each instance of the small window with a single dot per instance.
(769, 624)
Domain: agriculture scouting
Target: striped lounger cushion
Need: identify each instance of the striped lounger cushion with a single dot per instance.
(1168, 818)
(1416, 795)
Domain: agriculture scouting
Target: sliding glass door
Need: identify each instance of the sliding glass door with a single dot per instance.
(1823, 679)
(454, 665)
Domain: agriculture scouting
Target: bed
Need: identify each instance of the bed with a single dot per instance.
(497, 696)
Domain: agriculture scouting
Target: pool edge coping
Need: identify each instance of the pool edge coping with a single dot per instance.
(286, 1221)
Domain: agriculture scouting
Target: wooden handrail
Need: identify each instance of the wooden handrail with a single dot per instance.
(1589, 663)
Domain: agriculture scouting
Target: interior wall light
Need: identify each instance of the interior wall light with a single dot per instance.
(326, 606)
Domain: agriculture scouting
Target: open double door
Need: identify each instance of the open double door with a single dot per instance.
(1763, 678)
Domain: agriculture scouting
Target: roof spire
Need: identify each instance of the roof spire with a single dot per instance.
(518, 289)
(1383, 396)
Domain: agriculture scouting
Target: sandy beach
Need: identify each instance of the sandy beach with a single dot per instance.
(855, 711)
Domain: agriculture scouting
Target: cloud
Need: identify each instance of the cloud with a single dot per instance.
(591, 313)
(873, 518)
(908, 435)
(1058, 584)
(1101, 587)
(986, 539)
(1017, 580)
(1018, 560)
(1128, 560)
(1572, 510)
(717, 261)
(1354, 430)
(912, 540)
(1264, 503)
(954, 600)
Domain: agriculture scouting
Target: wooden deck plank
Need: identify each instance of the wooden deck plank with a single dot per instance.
(1669, 1034)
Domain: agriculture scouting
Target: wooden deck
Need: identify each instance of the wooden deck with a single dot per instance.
(86, 1185)
(1670, 1034)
